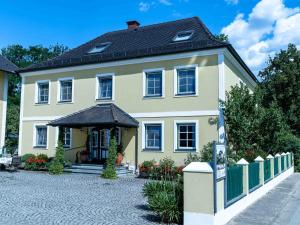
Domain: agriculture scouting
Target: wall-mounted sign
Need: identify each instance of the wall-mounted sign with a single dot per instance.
(220, 160)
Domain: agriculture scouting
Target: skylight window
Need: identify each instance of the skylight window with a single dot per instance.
(99, 48)
(183, 35)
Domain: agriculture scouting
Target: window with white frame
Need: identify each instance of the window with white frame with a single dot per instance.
(186, 81)
(42, 92)
(153, 136)
(67, 137)
(66, 90)
(186, 136)
(105, 87)
(41, 136)
(154, 83)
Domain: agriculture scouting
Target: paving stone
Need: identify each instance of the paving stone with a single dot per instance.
(28, 198)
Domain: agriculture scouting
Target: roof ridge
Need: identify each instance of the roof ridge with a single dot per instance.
(113, 112)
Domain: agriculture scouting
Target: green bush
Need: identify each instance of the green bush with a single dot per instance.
(110, 170)
(153, 187)
(25, 157)
(192, 157)
(207, 152)
(43, 157)
(57, 164)
(165, 204)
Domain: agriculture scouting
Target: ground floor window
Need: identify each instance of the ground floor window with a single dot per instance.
(41, 136)
(185, 136)
(153, 136)
(67, 138)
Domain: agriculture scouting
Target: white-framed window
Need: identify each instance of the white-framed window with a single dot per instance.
(186, 80)
(65, 89)
(67, 138)
(105, 84)
(186, 135)
(42, 92)
(153, 136)
(40, 136)
(153, 82)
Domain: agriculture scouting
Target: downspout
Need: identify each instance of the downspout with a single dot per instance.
(136, 149)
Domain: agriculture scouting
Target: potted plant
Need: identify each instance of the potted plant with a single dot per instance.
(84, 155)
(120, 155)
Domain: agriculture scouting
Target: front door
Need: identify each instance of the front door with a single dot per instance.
(99, 143)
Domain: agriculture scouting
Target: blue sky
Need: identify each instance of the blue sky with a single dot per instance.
(75, 22)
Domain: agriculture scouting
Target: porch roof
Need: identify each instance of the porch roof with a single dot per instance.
(101, 115)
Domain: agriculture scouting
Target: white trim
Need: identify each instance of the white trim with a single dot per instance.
(175, 141)
(126, 62)
(193, 218)
(59, 89)
(198, 167)
(175, 79)
(4, 108)
(21, 116)
(36, 92)
(221, 76)
(35, 125)
(162, 85)
(112, 75)
(139, 115)
(162, 135)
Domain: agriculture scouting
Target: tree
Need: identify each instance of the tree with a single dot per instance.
(222, 37)
(281, 85)
(23, 57)
(57, 165)
(110, 170)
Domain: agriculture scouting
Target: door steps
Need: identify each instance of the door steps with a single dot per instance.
(96, 169)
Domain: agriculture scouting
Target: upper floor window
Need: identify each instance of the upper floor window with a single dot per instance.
(183, 35)
(186, 80)
(66, 90)
(40, 136)
(153, 83)
(105, 86)
(42, 92)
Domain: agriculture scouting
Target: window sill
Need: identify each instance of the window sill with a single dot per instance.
(40, 147)
(185, 95)
(41, 104)
(153, 97)
(152, 150)
(104, 99)
(64, 102)
(185, 150)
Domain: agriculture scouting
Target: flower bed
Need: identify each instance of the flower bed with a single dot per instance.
(37, 163)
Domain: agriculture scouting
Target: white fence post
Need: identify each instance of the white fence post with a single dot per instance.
(245, 165)
(260, 160)
(271, 158)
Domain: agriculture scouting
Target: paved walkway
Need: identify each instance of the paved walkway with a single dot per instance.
(28, 198)
(281, 206)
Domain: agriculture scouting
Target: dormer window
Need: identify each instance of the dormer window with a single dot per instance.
(183, 35)
(99, 48)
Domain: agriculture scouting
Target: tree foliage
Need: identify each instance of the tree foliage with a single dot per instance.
(110, 170)
(222, 37)
(57, 165)
(281, 85)
(23, 57)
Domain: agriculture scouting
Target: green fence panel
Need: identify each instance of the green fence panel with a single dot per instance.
(234, 182)
(267, 169)
(253, 175)
(276, 166)
(282, 163)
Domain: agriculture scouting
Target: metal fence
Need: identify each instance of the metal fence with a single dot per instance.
(276, 170)
(282, 163)
(234, 183)
(267, 170)
(253, 176)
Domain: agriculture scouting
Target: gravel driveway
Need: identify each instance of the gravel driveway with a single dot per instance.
(39, 198)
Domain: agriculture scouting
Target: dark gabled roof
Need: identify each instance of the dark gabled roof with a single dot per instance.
(152, 40)
(101, 115)
(7, 66)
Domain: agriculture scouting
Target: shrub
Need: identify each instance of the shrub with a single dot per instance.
(25, 157)
(207, 152)
(192, 157)
(110, 170)
(43, 157)
(35, 163)
(153, 187)
(166, 206)
(57, 164)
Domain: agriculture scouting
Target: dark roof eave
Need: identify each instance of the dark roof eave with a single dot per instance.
(81, 125)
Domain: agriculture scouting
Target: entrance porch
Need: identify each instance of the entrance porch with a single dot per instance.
(92, 130)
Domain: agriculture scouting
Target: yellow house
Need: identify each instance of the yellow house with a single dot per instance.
(158, 86)
(6, 68)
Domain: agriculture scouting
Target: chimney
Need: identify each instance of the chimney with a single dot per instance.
(133, 24)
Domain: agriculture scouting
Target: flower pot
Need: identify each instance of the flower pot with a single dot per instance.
(119, 159)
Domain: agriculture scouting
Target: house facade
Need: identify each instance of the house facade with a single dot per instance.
(168, 78)
(6, 68)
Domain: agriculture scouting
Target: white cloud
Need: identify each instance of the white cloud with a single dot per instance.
(269, 27)
(144, 6)
(232, 2)
(165, 2)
